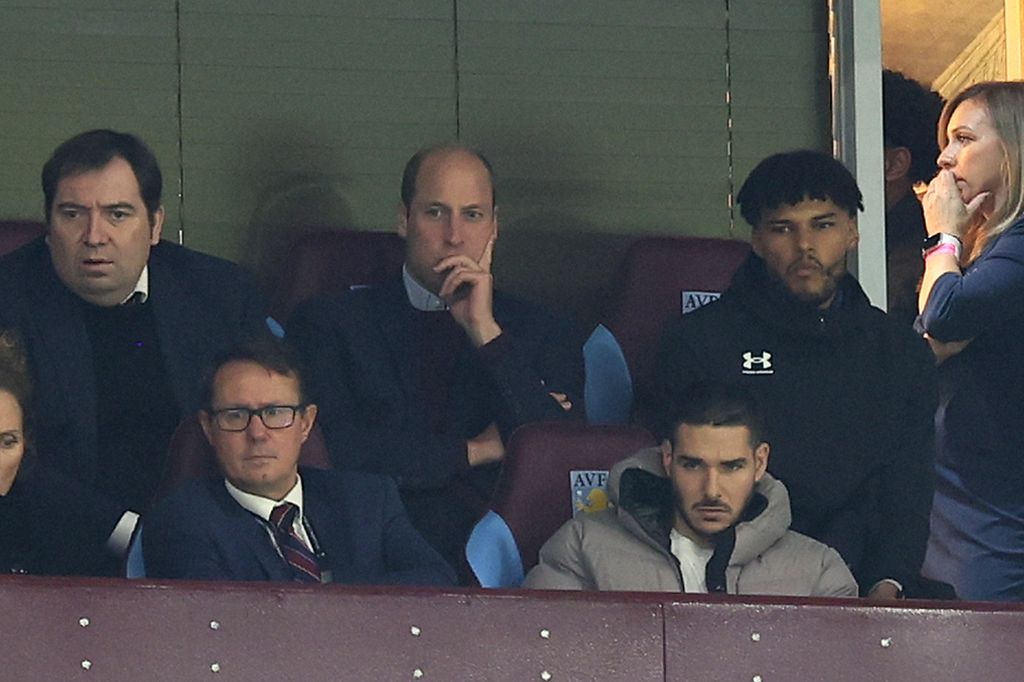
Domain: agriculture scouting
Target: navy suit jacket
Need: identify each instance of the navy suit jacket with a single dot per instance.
(200, 532)
(202, 305)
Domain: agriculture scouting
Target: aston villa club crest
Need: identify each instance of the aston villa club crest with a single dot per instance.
(692, 300)
(589, 491)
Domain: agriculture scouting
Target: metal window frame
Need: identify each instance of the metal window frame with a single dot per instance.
(855, 73)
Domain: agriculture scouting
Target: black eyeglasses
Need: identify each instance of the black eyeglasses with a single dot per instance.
(272, 416)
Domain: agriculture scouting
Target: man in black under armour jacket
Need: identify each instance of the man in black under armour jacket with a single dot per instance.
(849, 393)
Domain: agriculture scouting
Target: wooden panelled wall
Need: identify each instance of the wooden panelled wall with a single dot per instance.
(605, 119)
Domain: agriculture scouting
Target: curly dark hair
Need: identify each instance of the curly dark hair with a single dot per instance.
(792, 177)
(910, 113)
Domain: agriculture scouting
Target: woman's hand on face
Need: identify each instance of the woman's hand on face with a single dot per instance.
(944, 208)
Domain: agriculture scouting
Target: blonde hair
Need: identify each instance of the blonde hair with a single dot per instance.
(1004, 102)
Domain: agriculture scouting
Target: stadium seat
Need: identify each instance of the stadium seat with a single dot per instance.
(329, 261)
(662, 278)
(607, 389)
(536, 494)
(16, 233)
(190, 455)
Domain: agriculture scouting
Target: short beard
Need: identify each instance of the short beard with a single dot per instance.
(681, 511)
(817, 299)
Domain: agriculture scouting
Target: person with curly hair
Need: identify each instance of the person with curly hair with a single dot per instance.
(910, 112)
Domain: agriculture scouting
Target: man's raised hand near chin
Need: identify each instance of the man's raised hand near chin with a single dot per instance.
(468, 289)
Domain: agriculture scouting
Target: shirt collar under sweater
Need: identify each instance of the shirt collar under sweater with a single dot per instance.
(420, 297)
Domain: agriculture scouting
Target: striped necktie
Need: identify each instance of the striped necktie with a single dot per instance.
(302, 562)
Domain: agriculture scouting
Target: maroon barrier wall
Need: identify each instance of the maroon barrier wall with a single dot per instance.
(82, 629)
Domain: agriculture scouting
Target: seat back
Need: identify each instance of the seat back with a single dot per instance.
(608, 388)
(190, 455)
(661, 279)
(16, 233)
(328, 261)
(135, 562)
(534, 495)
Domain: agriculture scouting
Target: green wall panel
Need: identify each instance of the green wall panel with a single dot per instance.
(605, 119)
(68, 67)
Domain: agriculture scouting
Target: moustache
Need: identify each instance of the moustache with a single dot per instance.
(805, 262)
(711, 505)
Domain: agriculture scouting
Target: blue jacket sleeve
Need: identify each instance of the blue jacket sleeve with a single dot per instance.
(962, 306)
(178, 545)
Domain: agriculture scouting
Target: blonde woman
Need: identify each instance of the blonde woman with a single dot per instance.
(972, 313)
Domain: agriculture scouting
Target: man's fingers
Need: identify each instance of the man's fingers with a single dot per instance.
(562, 400)
(451, 262)
(452, 281)
(485, 259)
(456, 279)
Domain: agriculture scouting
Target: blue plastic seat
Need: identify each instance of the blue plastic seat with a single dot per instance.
(135, 563)
(535, 493)
(608, 388)
(492, 553)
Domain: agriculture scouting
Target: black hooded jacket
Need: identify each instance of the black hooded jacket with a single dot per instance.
(849, 397)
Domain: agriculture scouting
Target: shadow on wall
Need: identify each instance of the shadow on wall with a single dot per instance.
(561, 262)
(553, 257)
(297, 205)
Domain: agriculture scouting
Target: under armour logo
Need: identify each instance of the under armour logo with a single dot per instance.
(757, 364)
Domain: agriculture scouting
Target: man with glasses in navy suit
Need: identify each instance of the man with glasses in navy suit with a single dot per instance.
(268, 519)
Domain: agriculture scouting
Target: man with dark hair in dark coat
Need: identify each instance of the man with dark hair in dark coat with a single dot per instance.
(910, 114)
(849, 393)
(117, 325)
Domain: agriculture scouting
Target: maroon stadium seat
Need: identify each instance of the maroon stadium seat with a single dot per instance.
(190, 455)
(336, 260)
(15, 233)
(533, 495)
(663, 277)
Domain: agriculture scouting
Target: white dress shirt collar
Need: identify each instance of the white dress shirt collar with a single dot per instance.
(141, 287)
(420, 297)
(262, 506)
